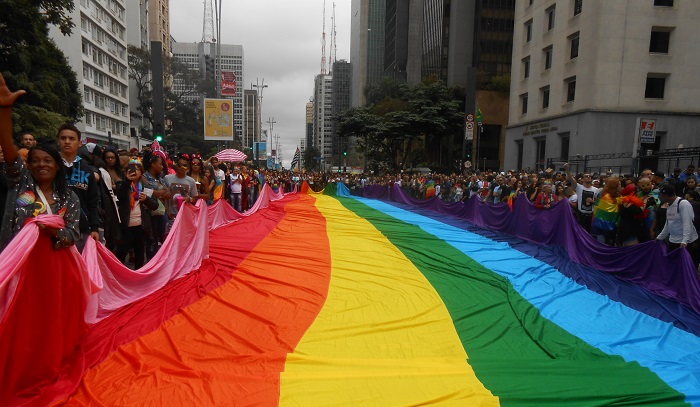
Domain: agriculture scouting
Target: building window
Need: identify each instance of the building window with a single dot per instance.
(571, 89)
(574, 41)
(526, 68)
(564, 154)
(578, 7)
(663, 3)
(540, 148)
(547, 53)
(528, 31)
(655, 86)
(523, 103)
(660, 38)
(545, 97)
(550, 18)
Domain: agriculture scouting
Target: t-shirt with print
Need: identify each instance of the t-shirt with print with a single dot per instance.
(181, 189)
(583, 194)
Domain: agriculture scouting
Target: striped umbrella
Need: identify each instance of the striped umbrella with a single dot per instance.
(231, 155)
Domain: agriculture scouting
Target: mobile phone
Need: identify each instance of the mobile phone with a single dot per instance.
(131, 167)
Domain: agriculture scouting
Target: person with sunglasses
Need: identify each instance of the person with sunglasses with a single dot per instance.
(181, 188)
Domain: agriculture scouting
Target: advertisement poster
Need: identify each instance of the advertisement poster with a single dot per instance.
(261, 150)
(218, 119)
(228, 83)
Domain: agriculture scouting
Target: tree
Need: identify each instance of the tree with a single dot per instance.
(310, 161)
(406, 125)
(31, 61)
(184, 116)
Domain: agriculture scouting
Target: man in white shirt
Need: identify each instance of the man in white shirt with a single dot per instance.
(236, 188)
(585, 194)
(679, 228)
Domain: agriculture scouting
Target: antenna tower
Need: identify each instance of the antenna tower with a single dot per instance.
(323, 41)
(334, 44)
(208, 23)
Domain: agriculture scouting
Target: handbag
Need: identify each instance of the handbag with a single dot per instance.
(160, 211)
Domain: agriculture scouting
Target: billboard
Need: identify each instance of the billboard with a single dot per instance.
(228, 83)
(218, 119)
(260, 152)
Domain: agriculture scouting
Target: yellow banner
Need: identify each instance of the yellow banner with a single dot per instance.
(218, 119)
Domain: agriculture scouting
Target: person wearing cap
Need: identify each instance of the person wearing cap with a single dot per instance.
(678, 229)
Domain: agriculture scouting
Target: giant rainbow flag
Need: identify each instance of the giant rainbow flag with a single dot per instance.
(323, 299)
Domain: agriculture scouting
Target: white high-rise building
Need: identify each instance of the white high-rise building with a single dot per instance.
(586, 75)
(323, 118)
(201, 57)
(97, 53)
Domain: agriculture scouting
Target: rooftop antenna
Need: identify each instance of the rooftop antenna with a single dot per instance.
(208, 23)
(334, 43)
(323, 41)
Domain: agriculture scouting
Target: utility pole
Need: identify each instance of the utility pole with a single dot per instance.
(260, 86)
(271, 121)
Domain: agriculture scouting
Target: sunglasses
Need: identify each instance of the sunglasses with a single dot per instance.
(183, 165)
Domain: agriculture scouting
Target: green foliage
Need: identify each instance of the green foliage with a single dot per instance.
(36, 120)
(497, 83)
(31, 61)
(185, 117)
(405, 125)
(309, 162)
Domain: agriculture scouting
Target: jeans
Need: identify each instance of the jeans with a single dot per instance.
(236, 201)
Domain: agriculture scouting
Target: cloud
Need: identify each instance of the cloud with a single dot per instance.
(281, 42)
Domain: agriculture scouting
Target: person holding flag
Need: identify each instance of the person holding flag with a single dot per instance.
(295, 160)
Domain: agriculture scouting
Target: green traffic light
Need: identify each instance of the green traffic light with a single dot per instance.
(159, 138)
(345, 153)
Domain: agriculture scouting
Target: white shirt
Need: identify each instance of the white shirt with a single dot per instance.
(679, 226)
(583, 193)
(236, 187)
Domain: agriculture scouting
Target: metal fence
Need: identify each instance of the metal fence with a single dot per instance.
(624, 163)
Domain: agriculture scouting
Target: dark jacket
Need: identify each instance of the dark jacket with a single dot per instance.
(81, 179)
(150, 204)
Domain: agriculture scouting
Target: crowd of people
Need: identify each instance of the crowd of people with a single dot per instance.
(129, 199)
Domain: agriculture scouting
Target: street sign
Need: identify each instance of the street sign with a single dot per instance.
(647, 131)
(470, 117)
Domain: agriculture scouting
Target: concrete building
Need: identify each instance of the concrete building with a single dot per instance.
(366, 46)
(96, 51)
(201, 57)
(309, 124)
(159, 23)
(323, 119)
(342, 81)
(585, 77)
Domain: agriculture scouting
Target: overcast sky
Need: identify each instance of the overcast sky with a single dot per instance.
(281, 42)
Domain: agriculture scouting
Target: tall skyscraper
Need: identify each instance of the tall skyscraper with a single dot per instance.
(342, 81)
(97, 53)
(323, 118)
(159, 23)
(309, 124)
(582, 85)
(201, 57)
(366, 46)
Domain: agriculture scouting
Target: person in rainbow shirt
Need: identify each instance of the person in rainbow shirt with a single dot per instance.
(606, 213)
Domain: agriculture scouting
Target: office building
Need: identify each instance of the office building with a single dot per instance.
(201, 57)
(96, 51)
(323, 119)
(586, 76)
(366, 46)
(342, 81)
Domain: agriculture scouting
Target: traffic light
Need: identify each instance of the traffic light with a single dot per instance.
(469, 151)
(345, 153)
(158, 132)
